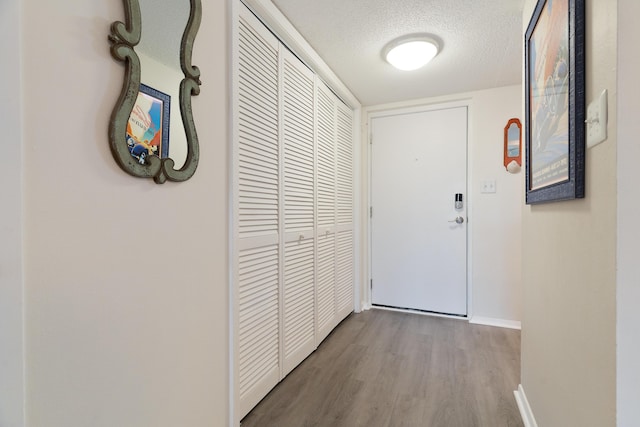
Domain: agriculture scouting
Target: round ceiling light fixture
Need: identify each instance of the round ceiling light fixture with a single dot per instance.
(410, 53)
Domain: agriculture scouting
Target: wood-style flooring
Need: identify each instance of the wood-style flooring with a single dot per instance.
(389, 369)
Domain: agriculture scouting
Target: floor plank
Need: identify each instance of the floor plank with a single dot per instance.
(388, 369)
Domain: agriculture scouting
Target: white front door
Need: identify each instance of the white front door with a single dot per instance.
(419, 251)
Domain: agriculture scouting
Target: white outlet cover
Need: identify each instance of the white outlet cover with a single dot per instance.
(488, 186)
(597, 120)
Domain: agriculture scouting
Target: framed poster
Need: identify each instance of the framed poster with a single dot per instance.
(148, 126)
(555, 101)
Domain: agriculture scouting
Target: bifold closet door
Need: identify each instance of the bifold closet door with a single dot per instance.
(344, 212)
(297, 96)
(326, 104)
(335, 269)
(257, 219)
(292, 215)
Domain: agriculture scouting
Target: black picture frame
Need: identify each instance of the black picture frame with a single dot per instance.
(555, 101)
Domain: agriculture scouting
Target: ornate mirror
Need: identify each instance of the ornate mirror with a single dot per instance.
(152, 133)
(513, 145)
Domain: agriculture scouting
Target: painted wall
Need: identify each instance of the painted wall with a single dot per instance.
(494, 218)
(628, 288)
(569, 269)
(11, 297)
(125, 280)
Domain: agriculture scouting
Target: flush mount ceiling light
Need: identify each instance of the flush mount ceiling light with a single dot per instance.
(410, 53)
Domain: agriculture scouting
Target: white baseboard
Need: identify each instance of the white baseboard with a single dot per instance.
(490, 321)
(418, 312)
(525, 410)
(364, 307)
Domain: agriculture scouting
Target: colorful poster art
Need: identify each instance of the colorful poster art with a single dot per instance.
(148, 126)
(549, 96)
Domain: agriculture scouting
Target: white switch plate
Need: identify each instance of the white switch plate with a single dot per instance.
(488, 186)
(597, 120)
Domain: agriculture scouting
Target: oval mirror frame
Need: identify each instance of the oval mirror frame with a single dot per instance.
(123, 38)
(511, 143)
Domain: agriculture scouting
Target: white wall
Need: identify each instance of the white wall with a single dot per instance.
(628, 291)
(125, 280)
(494, 218)
(569, 269)
(11, 297)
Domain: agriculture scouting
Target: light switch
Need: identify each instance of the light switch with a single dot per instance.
(488, 186)
(597, 120)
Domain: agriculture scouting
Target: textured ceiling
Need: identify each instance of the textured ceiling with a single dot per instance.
(481, 43)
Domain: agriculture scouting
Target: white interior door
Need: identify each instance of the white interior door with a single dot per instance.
(418, 165)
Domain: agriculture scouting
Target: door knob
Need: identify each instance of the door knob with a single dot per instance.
(458, 220)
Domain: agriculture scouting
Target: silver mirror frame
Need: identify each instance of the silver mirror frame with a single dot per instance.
(123, 38)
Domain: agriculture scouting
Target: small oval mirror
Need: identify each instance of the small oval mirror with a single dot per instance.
(513, 145)
(152, 132)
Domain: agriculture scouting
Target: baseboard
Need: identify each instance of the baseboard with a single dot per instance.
(490, 321)
(525, 410)
(364, 307)
(420, 312)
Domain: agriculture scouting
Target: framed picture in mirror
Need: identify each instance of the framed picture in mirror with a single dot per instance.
(148, 125)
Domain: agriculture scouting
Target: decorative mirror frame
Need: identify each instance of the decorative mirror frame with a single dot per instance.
(508, 159)
(123, 38)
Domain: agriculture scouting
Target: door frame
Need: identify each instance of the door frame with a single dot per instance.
(401, 109)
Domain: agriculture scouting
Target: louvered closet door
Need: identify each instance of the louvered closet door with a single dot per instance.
(326, 104)
(257, 190)
(344, 207)
(297, 97)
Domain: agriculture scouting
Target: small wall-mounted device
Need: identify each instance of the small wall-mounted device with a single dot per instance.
(597, 120)
(458, 203)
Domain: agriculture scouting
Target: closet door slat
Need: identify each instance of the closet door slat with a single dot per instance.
(344, 273)
(325, 285)
(259, 316)
(258, 160)
(326, 145)
(344, 165)
(299, 301)
(298, 131)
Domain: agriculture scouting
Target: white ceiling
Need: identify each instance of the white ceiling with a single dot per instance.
(481, 43)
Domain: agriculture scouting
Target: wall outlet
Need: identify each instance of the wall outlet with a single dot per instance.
(597, 120)
(488, 186)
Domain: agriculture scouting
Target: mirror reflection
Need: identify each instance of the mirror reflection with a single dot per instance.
(513, 141)
(155, 125)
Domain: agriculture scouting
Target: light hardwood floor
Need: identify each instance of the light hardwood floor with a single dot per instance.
(386, 369)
